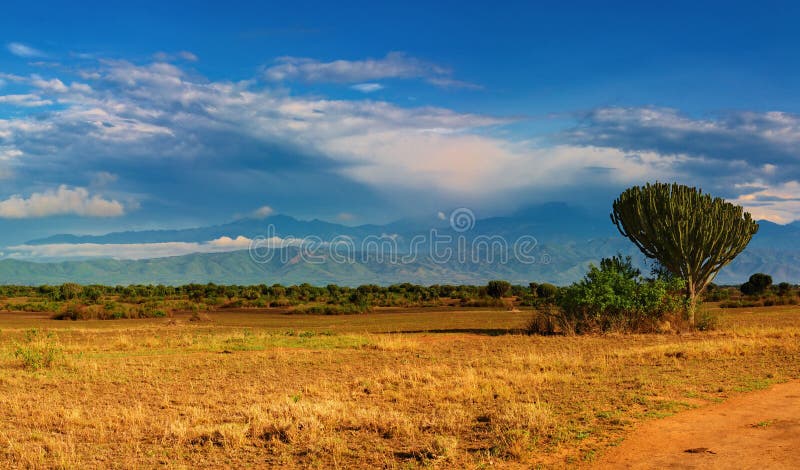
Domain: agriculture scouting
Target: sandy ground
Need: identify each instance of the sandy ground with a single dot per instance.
(757, 430)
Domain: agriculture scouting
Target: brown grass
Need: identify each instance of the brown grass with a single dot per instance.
(389, 389)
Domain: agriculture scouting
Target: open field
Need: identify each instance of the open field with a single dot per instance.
(395, 388)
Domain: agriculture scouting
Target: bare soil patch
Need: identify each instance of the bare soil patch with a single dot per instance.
(757, 430)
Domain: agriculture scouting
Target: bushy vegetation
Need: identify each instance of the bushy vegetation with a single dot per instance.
(612, 297)
(75, 302)
(38, 350)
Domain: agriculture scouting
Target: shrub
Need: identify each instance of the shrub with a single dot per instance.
(200, 317)
(342, 309)
(616, 297)
(39, 351)
(92, 294)
(547, 321)
(740, 304)
(706, 321)
(70, 291)
(484, 302)
(72, 311)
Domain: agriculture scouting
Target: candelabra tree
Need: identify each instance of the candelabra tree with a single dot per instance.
(690, 233)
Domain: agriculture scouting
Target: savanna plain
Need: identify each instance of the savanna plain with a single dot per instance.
(395, 388)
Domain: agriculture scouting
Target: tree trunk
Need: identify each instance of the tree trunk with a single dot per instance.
(691, 302)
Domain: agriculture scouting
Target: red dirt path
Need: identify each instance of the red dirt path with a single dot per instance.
(758, 430)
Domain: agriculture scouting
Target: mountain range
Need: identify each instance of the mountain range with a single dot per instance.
(561, 241)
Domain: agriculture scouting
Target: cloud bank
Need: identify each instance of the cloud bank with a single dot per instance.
(133, 250)
(159, 126)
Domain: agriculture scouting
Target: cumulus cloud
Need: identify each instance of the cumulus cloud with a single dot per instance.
(394, 65)
(24, 50)
(63, 201)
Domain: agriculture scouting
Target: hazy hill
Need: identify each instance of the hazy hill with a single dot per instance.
(568, 237)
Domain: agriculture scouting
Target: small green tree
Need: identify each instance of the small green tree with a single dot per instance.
(758, 283)
(497, 289)
(546, 291)
(71, 290)
(533, 286)
(690, 233)
(784, 288)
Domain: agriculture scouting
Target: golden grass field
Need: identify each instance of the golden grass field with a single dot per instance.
(397, 389)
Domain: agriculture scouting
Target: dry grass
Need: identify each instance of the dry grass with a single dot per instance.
(390, 389)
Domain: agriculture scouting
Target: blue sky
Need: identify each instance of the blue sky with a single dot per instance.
(170, 114)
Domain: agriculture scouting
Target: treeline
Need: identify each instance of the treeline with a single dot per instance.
(71, 300)
(614, 295)
(758, 291)
(369, 293)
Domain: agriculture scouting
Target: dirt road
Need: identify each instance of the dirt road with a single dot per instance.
(759, 430)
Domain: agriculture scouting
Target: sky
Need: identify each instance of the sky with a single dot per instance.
(150, 115)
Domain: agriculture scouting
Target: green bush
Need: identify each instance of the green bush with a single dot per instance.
(39, 350)
(615, 297)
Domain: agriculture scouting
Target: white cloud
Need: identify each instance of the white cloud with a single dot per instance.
(238, 243)
(23, 50)
(141, 250)
(777, 203)
(27, 100)
(53, 85)
(7, 153)
(445, 82)
(63, 201)
(158, 112)
(394, 65)
(182, 55)
(367, 87)
(262, 212)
